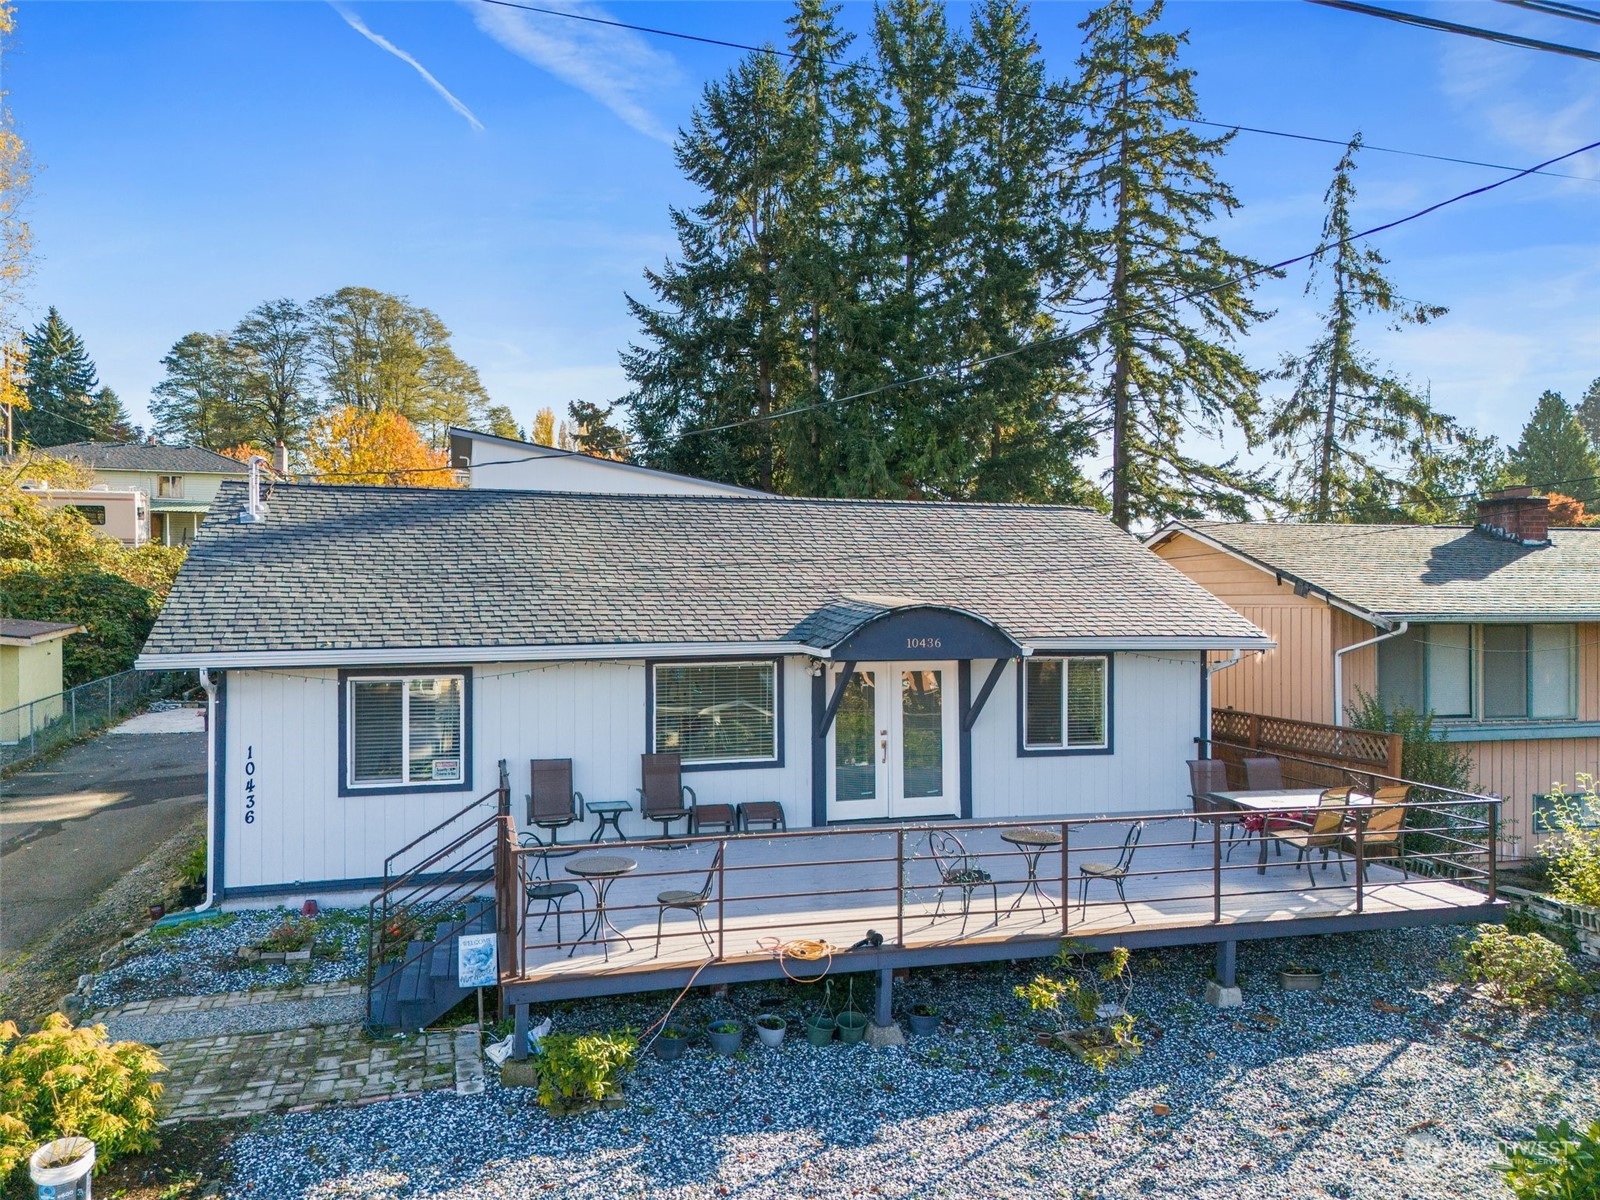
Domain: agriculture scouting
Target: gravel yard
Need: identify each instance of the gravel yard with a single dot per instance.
(1393, 1083)
(201, 959)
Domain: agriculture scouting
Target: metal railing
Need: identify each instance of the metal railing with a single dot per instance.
(843, 876)
(39, 726)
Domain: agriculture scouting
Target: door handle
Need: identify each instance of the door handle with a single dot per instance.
(883, 742)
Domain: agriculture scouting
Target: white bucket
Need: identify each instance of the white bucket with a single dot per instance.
(70, 1182)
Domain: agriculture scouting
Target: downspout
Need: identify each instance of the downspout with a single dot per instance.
(1207, 671)
(1338, 667)
(211, 786)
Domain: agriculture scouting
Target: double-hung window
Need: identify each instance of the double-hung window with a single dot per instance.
(406, 730)
(1065, 703)
(716, 712)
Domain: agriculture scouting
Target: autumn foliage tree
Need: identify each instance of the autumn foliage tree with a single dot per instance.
(356, 445)
(1565, 511)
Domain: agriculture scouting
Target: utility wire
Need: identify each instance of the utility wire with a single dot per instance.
(1555, 8)
(984, 87)
(1487, 35)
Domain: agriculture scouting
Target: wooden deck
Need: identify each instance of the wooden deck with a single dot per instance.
(837, 885)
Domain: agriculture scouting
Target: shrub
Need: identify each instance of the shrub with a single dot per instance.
(1557, 1163)
(1520, 968)
(1573, 854)
(293, 933)
(1088, 1001)
(580, 1068)
(67, 1082)
(192, 870)
(1426, 757)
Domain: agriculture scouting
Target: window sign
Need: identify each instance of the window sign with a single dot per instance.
(406, 729)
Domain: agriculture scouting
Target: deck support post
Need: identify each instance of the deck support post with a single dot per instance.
(885, 1014)
(1222, 989)
(519, 1032)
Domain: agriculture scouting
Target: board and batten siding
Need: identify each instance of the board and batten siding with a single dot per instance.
(1156, 717)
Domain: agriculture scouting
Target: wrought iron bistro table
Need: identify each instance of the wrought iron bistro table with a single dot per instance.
(600, 871)
(1277, 802)
(1033, 843)
(609, 811)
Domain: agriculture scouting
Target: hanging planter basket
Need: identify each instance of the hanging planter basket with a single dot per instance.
(820, 1029)
(852, 1026)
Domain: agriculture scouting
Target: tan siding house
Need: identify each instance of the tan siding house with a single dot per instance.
(1495, 628)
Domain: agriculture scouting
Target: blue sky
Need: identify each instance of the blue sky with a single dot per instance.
(197, 158)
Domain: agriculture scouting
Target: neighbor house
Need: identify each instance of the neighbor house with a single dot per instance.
(488, 461)
(374, 652)
(1492, 627)
(179, 481)
(30, 674)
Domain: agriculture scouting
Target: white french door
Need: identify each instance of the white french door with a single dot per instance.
(893, 745)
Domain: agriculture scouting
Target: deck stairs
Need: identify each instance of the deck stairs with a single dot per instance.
(436, 889)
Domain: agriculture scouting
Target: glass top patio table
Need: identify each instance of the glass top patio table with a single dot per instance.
(1277, 801)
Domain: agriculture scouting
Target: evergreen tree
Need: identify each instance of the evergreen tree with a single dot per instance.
(592, 432)
(1589, 414)
(203, 400)
(273, 342)
(1554, 453)
(1357, 438)
(1165, 297)
(110, 420)
(60, 387)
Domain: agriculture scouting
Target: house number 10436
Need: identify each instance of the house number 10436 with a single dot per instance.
(249, 785)
(923, 643)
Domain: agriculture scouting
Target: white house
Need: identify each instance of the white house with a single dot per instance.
(496, 462)
(373, 653)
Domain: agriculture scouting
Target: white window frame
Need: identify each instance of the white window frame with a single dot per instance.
(770, 664)
(1065, 745)
(405, 782)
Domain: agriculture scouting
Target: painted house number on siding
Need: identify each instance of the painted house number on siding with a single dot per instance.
(925, 643)
(249, 785)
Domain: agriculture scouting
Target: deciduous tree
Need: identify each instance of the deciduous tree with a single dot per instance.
(16, 187)
(202, 400)
(351, 444)
(272, 346)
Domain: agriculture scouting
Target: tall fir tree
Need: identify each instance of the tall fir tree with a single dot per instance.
(60, 388)
(1165, 299)
(1554, 453)
(1358, 440)
(1589, 414)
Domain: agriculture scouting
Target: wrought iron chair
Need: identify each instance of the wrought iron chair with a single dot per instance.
(687, 901)
(553, 804)
(958, 869)
(553, 894)
(1116, 872)
(1326, 832)
(665, 798)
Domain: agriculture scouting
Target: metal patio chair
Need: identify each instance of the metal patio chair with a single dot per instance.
(1326, 831)
(1383, 830)
(553, 804)
(958, 869)
(552, 894)
(1116, 872)
(665, 798)
(687, 901)
(1265, 774)
(1207, 775)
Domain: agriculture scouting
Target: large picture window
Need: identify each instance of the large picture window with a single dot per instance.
(1482, 672)
(406, 730)
(1065, 703)
(721, 712)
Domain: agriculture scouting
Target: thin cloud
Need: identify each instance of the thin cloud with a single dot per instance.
(383, 43)
(615, 66)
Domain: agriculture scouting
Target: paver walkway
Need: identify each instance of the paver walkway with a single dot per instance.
(180, 1018)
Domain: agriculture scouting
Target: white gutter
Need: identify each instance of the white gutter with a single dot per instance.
(211, 786)
(1338, 667)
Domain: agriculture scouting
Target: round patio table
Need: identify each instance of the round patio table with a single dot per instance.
(600, 871)
(1033, 843)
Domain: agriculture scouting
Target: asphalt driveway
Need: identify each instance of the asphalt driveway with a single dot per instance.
(73, 827)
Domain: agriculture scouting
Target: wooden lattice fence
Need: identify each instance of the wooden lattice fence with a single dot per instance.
(1336, 752)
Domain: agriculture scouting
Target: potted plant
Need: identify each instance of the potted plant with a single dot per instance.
(61, 1169)
(852, 1026)
(1297, 977)
(924, 1020)
(770, 1028)
(819, 1029)
(670, 1043)
(726, 1035)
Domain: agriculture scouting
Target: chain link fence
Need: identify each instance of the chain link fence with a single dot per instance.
(32, 729)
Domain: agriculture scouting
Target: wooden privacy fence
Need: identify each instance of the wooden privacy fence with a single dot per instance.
(1320, 755)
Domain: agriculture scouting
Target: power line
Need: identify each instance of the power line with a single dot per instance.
(1554, 8)
(1487, 35)
(984, 87)
(1196, 294)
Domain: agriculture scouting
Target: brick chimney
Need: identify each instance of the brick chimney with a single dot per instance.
(1517, 515)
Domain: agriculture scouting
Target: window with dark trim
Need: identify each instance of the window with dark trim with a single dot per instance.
(405, 730)
(716, 712)
(1482, 672)
(1065, 702)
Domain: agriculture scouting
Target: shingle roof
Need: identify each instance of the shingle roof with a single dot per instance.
(1428, 572)
(142, 456)
(17, 629)
(366, 568)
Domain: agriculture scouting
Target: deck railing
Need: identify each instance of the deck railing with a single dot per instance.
(822, 878)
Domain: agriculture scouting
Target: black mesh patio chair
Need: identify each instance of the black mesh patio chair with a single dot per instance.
(1325, 832)
(553, 804)
(1207, 775)
(1265, 774)
(1116, 872)
(958, 869)
(687, 901)
(665, 798)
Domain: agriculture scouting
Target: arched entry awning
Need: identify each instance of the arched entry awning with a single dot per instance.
(923, 632)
